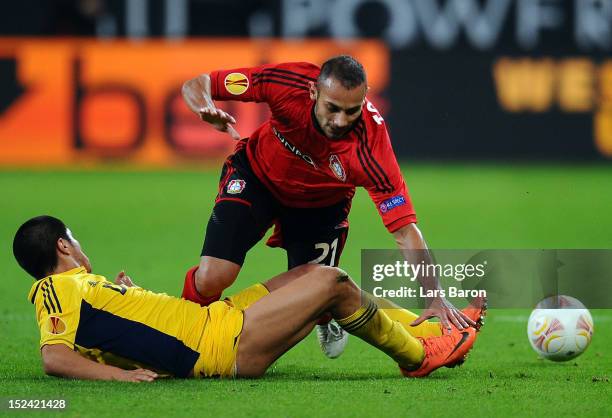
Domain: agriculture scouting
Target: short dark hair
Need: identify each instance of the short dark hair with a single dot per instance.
(344, 68)
(34, 245)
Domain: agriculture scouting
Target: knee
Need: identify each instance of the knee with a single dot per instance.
(210, 279)
(337, 280)
(333, 274)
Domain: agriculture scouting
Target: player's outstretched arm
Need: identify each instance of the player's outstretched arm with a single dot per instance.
(410, 238)
(196, 93)
(124, 279)
(59, 360)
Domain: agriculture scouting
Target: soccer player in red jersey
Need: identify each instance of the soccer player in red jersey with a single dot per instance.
(298, 172)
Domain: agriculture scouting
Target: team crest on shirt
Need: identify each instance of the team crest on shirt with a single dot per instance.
(55, 325)
(236, 83)
(336, 167)
(236, 186)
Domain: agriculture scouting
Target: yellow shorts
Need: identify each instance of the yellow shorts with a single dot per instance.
(219, 343)
(248, 296)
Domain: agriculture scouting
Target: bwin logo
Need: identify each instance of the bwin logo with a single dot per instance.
(294, 149)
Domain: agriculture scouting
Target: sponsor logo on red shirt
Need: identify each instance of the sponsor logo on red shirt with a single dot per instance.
(293, 148)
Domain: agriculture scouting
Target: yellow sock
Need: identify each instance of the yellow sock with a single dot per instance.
(374, 327)
(248, 296)
(405, 317)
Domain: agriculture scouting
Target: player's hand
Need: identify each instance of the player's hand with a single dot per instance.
(220, 120)
(448, 314)
(137, 376)
(124, 279)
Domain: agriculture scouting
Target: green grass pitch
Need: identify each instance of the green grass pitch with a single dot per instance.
(152, 223)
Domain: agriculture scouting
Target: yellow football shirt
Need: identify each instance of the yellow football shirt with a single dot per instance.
(118, 325)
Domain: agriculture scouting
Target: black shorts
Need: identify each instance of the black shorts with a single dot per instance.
(244, 210)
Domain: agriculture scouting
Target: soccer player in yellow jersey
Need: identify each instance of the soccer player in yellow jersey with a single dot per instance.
(92, 328)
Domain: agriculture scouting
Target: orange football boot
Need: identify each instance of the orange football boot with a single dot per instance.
(476, 311)
(443, 351)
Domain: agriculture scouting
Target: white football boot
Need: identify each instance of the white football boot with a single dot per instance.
(332, 339)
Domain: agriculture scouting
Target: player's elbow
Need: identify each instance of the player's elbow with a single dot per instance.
(50, 366)
(51, 361)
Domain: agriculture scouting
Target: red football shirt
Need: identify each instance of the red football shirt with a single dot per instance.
(301, 166)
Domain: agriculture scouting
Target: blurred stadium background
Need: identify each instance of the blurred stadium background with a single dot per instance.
(500, 112)
(456, 79)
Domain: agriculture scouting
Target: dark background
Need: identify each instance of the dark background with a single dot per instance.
(442, 99)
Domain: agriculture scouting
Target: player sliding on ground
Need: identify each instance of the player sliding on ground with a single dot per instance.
(299, 171)
(94, 329)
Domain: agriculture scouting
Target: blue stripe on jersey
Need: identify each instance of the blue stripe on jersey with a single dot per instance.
(133, 340)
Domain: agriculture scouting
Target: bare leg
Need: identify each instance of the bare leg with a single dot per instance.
(287, 277)
(280, 320)
(214, 275)
(396, 313)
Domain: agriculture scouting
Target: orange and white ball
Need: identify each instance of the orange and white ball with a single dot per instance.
(560, 328)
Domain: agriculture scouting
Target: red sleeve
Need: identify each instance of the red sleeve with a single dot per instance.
(383, 178)
(271, 83)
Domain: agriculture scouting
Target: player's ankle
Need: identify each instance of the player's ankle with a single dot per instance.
(324, 319)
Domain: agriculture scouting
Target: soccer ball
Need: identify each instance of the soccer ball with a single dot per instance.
(560, 328)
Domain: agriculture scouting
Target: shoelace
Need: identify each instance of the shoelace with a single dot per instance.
(332, 332)
(437, 344)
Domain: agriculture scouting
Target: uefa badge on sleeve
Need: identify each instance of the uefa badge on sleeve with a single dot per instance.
(55, 325)
(236, 186)
(392, 203)
(236, 83)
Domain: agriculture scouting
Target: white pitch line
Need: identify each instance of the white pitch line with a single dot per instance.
(524, 318)
(508, 318)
